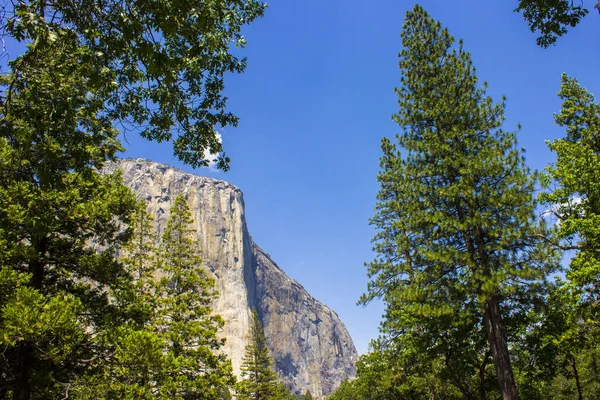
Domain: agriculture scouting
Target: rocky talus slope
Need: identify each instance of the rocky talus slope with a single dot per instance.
(310, 345)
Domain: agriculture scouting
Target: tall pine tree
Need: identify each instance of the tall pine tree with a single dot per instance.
(259, 381)
(166, 348)
(457, 242)
(184, 314)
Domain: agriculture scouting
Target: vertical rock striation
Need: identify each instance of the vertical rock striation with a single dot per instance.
(310, 345)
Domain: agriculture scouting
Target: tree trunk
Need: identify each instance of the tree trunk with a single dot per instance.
(576, 374)
(25, 355)
(22, 385)
(499, 349)
(482, 392)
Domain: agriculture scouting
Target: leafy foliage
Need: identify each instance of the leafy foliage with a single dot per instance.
(551, 18)
(575, 195)
(156, 66)
(573, 199)
(60, 222)
(384, 374)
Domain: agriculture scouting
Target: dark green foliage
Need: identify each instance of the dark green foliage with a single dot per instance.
(152, 66)
(166, 347)
(551, 18)
(459, 260)
(156, 66)
(283, 393)
(184, 314)
(557, 359)
(259, 381)
(388, 373)
(346, 391)
(60, 223)
(62, 320)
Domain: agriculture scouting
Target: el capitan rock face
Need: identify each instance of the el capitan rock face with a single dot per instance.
(310, 345)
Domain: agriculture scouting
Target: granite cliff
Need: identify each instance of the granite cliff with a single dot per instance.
(310, 345)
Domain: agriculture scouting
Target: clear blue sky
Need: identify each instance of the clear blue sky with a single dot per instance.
(315, 101)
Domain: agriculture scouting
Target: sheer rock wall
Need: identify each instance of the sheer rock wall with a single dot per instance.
(310, 345)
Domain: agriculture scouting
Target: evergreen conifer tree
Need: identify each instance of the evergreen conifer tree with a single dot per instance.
(184, 314)
(457, 243)
(166, 346)
(259, 380)
(137, 353)
(60, 223)
(86, 67)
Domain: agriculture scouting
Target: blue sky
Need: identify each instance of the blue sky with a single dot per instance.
(315, 101)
